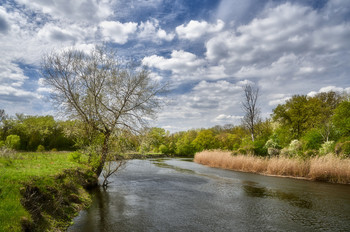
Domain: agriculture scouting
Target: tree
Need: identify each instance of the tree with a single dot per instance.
(341, 118)
(250, 108)
(107, 96)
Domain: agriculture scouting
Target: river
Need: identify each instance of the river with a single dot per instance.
(178, 195)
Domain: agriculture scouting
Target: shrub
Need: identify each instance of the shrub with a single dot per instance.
(273, 151)
(259, 147)
(285, 152)
(13, 142)
(271, 144)
(343, 149)
(327, 147)
(295, 147)
(242, 151)
(40, 148)
(75, 156)
(164, 149)
(310, 153)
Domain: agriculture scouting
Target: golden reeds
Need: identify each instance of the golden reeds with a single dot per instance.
(327, 168)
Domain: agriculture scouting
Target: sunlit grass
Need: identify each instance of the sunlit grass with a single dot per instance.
(327, 168)
(18, 169)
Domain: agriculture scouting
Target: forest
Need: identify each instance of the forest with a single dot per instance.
(302, 127)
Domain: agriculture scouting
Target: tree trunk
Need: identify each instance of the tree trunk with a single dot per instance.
(104, 154)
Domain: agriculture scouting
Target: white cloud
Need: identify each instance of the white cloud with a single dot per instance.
(328, 89)
(118, 32)
(78, 10)
(223, 118)
(150, 30)
(179, 62)
(195, 29)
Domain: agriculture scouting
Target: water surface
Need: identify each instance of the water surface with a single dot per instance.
(177, 195)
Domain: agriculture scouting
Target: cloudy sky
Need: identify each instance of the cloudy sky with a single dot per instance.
(206, 49)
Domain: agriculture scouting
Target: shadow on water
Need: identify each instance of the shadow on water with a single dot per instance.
(252, 190)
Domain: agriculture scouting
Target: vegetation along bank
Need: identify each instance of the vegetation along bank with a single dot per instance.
(42, 191)
(329, 168)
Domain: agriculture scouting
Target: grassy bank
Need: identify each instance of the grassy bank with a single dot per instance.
(41, 191)
(326, 168)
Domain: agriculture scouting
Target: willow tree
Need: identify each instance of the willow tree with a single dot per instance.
(105, 95)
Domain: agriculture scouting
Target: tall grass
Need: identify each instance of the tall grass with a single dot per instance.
(327, 168)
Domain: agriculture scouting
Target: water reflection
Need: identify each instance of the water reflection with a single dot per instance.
(252, 190)
(176, 195)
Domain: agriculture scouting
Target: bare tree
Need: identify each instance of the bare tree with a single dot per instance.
(107, 96)
(251, 110)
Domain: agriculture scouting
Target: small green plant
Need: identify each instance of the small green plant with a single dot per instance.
(40, 148)
(75, 156)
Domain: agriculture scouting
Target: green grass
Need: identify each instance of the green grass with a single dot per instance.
(20, 168)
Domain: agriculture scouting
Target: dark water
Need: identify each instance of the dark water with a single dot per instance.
(177, 195)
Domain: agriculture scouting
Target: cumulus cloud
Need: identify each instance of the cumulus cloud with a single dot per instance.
(329, 89)
(179, 62)
(117, 32)
(150, 30)
(195, 29)
(82, 10)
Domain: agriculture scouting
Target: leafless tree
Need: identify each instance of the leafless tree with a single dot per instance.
(104, 94)
(250, 108)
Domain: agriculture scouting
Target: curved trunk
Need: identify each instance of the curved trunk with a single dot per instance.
(104, 154)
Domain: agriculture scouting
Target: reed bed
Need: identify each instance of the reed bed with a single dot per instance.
(327, 168)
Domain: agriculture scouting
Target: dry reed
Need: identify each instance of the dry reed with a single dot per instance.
(327, 168)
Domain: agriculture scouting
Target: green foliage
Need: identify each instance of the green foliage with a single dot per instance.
(205, 140)
(341, 118)
(343, 149)
(40, 148)
(295, 148)
(259, 147)
(164, 149)
(13, 142)
(75, 156)
(312, 140)
(327, 147)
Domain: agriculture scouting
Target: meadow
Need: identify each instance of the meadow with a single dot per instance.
(37, 189)
(328, 168)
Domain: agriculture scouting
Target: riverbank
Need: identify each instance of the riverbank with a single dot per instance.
(326, 168)
(42, 191)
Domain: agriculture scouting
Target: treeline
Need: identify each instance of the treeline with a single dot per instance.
(303, 126)
(32, 133)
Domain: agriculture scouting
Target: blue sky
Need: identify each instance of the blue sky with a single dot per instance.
(207, 50)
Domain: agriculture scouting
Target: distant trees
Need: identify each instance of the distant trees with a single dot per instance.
(107, 96)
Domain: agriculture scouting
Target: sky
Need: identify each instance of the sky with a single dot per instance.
(206, 50)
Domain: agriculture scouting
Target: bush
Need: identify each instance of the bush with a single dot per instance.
(242, 151)
(327, 147)
(310, 153)
(40, 148)
(343, 149)
(164, 149)
(273, 151)
(75, 156)
(295, 147)
(259, 147)
(13, 142)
